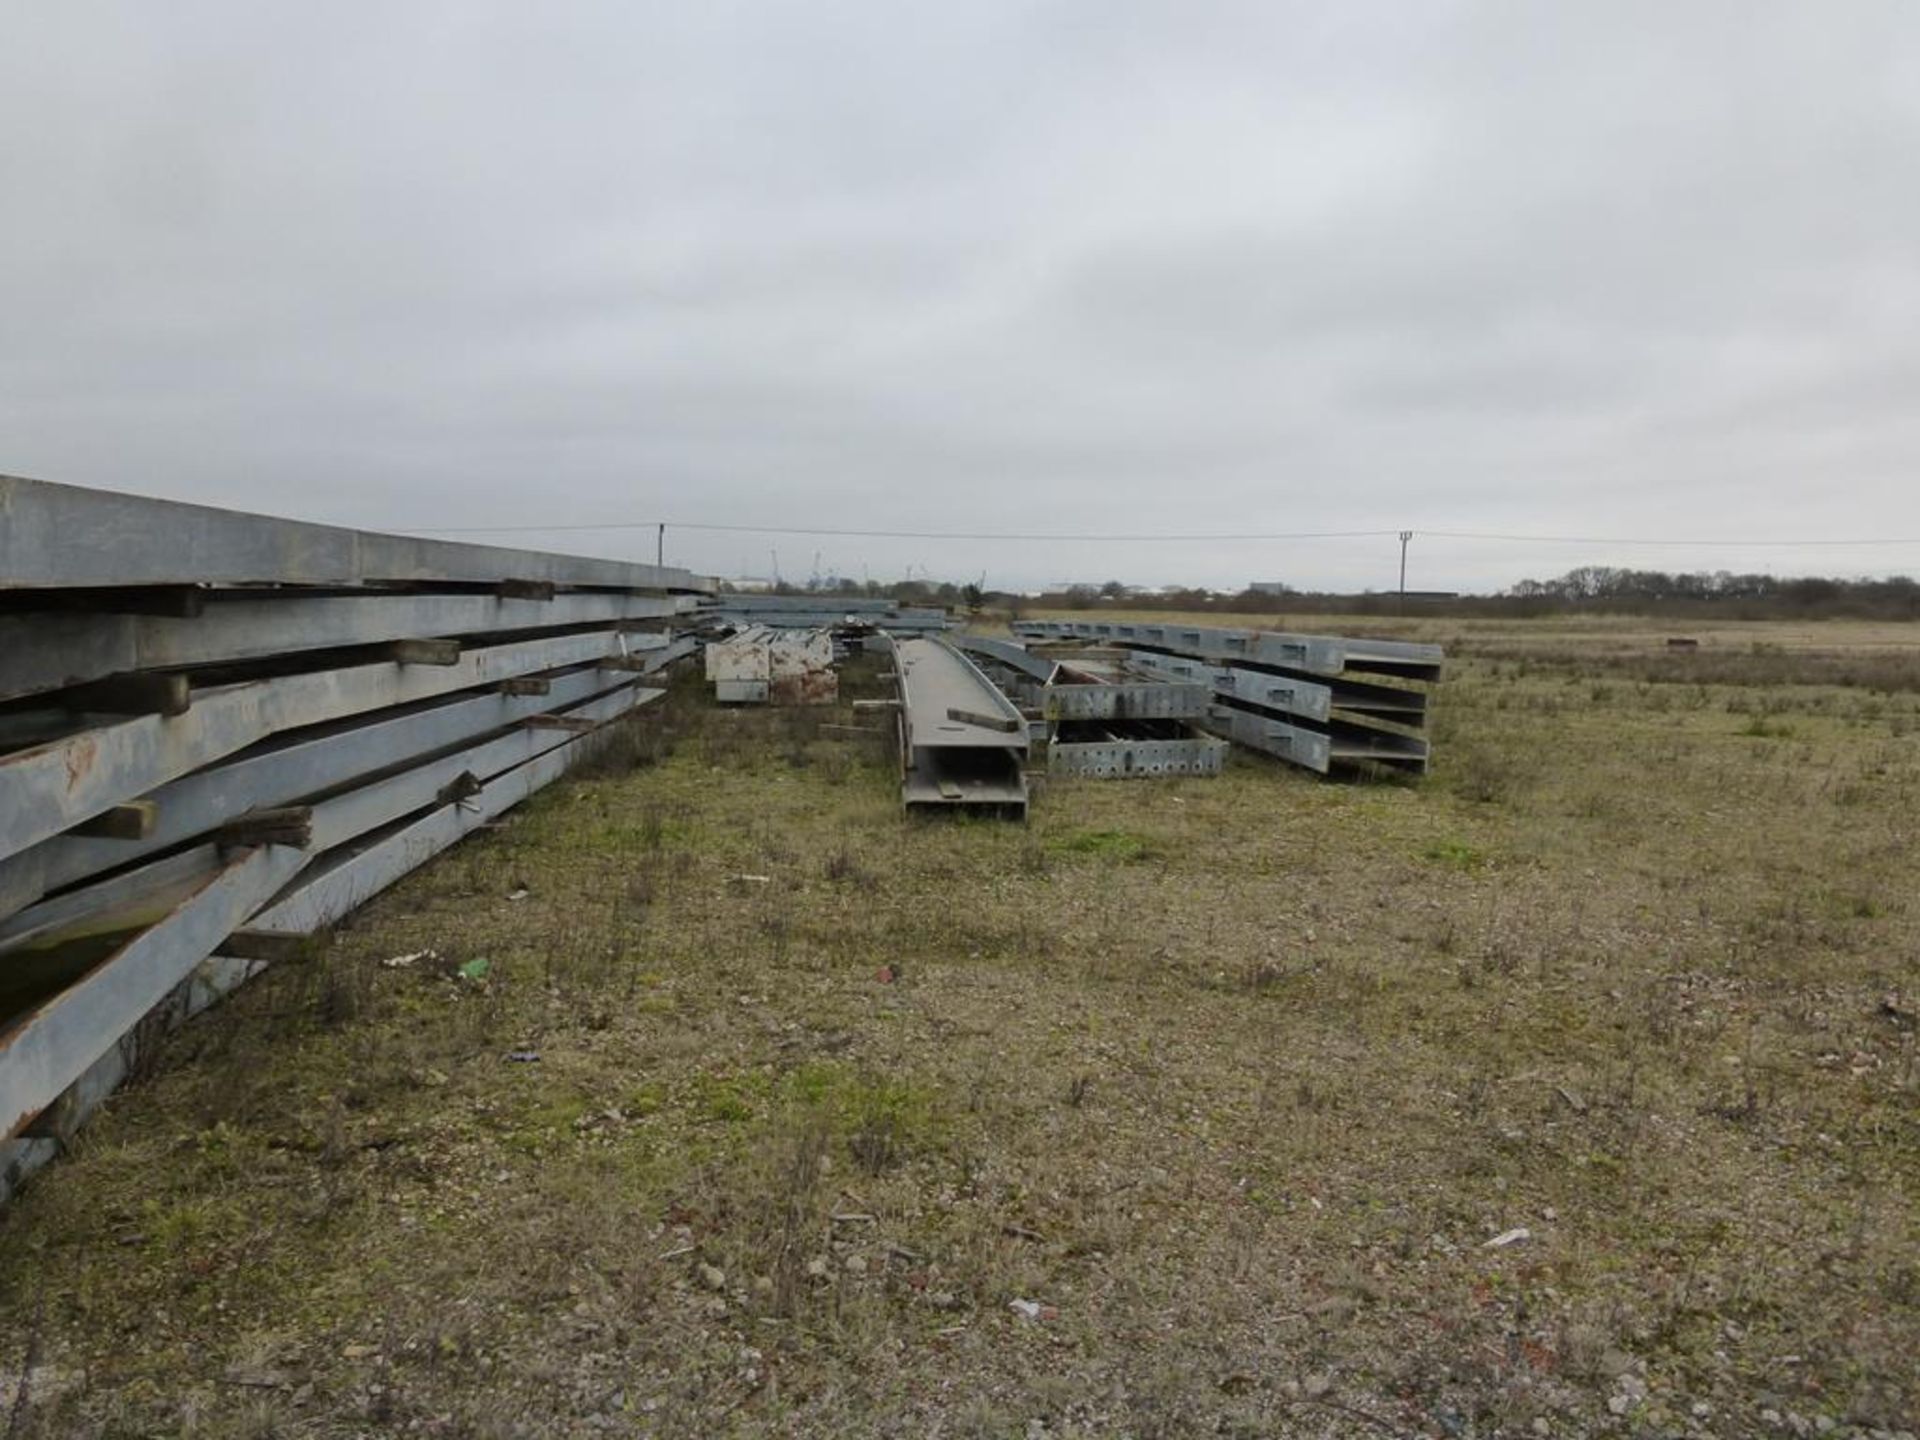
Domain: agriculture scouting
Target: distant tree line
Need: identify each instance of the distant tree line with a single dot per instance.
(1608, 588)
(1596, 589)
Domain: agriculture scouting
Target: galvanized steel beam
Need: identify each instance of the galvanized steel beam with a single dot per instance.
(1137, 759)
(53, 650)
(1314, 654)
(962, 741)
(1153, 700)
(280, 772)
(51, 1046)
(342, 881)
(332, 822)
(1008, 653)
(55, 786)
(66, 537)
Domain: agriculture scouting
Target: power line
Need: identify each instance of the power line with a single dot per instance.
(887, 534)
(1057, 537)
(1649, 540)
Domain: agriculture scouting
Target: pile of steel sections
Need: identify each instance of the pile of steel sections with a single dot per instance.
(1321, 701)
(219, 732)
(853, 615)
(761, 664)
(1101, 725)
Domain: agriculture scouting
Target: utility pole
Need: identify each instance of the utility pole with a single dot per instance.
(1405, 536)
(660, 548)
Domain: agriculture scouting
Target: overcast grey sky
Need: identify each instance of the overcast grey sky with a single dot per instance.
(1611, 269)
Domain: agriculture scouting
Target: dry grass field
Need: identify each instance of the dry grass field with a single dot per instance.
(1570, 1091)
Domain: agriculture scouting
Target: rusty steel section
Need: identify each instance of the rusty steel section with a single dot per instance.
(786, 667)
(224, 724)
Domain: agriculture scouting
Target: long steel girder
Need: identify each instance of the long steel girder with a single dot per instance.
(283, 770)
(64, 537)
(207, 983)
(1317, 750)
(1316, 699)
(343, 880)
(1308, 698)
(1010, 654)
(54, 1045)
(962, 741)
(51, 650)
(1314, 654)
(342, 817)
(780, 609)
(55, 786)
(825, 618)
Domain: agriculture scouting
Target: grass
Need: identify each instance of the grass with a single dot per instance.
(1234, 1078)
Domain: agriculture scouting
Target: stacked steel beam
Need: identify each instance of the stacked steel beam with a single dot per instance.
(1100, 726)
(220, 732)
(840, 613)
(1320, 701)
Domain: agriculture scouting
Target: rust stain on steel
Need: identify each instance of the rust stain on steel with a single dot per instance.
(80, 757)
(806, 687)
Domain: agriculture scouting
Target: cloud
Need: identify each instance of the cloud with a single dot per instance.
(1608, 269)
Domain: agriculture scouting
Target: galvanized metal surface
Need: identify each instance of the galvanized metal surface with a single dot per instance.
(1317, 749)
(1307, 698)
(364, 769)
(55, 786)
(1315, 654)
(1151, 700)
(287, 769)
(1009, 653)
(345, 879)
(65, 537)
(963, 743)
(335, 821)
(1137, 759)
(51, 650)
(61, 1042)
(940, 693)
(53, 1045)
(1293, 743)
(210, 981)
